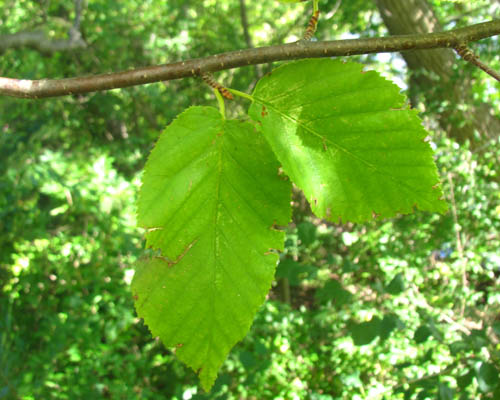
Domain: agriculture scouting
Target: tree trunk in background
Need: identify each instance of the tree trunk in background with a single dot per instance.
(432, 73)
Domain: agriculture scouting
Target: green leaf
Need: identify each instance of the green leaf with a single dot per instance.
(422, 333)
(428, 356)
(307, 233)
(349, 266)
(388, 324)
(333, 290)
(365, 332)
(465, 380)
(496, 327)
(294, 271)
(348, 140)
(247, 359)
(487, 377)
(458, 346)
(445, 392)
(396, 285)
(211, 195)
(477, 339)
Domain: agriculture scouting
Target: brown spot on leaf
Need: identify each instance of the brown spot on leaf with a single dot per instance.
(264, 111)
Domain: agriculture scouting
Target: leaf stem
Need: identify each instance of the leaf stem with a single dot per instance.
(220, 100)
(315, 6)
(241, 94)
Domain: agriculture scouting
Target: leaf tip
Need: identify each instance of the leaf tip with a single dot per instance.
(207, 379)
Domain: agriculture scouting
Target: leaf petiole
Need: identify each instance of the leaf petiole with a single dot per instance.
(241, 94)
(222, 105)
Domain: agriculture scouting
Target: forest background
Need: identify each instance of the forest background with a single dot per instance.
(403, 308)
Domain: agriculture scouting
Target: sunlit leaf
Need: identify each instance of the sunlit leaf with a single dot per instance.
(348, 140)
(211, 195)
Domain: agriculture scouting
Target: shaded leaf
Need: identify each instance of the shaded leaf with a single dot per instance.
(396, 285)
(211, 195)
(477, 339)
(294, 271)
(424, 395)
(458, 346)
(333, 291)
(422, 333)
(445, 392)
(465, 380)
(487, 377)
(346, 138)
(247, 359)
(349, 266)
(365, 332)
(307, 233)
(429, 354)
(388, 324)
(496, 327)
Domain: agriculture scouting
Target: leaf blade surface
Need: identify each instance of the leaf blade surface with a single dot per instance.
(211, 195)
(346, 138)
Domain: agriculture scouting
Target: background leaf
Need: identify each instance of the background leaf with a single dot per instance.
(487, 377)
(365, 332)
(422, 333)
(396, 285)
(211, 194)
(347, 139)
(294, 271)
(334, 291)
(445, 392)
(388, 324)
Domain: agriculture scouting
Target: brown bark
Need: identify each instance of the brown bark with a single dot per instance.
(195, 67)
(432, 73)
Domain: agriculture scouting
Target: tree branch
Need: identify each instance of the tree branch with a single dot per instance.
(60, 87)
(39, 41)
(464, 52)
(244, 23)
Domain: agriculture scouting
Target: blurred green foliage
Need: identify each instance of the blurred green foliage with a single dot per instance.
(401, 309)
